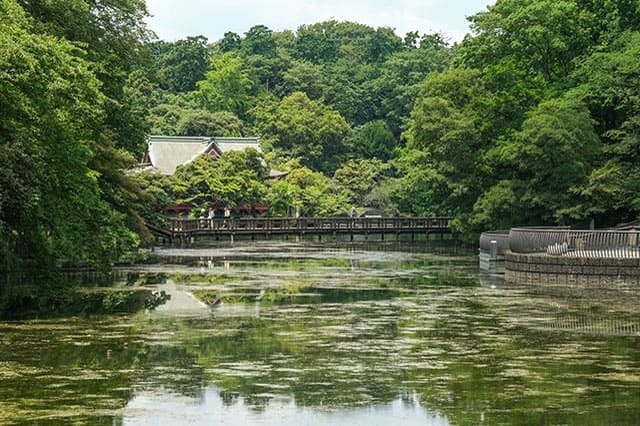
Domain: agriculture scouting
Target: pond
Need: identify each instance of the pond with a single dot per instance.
(330, 334)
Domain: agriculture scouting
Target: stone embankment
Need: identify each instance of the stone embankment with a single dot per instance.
(560, 255)
(597, 271)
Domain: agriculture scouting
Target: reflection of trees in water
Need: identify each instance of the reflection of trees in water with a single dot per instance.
(83, 368)
(259, 359)
(229, 397)
(171, 368)
(475, 354)
(501, 372)
(471, 353)
(459, 353)
(74, 367)
(260, 251)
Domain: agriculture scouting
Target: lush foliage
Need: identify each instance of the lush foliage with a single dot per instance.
(328, 102)
(532, 119)
(236, 178)
(535, 122)
(65, 130)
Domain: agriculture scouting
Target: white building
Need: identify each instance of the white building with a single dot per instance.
(165, 153)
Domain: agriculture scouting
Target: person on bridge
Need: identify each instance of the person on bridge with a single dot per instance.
(227, 215)
(202, 219)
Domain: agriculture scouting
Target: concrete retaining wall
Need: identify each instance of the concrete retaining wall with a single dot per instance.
(540, 268)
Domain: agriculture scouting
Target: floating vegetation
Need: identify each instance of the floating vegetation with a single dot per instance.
(419, 338)
(155, 299)
(144, 278)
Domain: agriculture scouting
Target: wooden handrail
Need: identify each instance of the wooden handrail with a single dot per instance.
(250, 225)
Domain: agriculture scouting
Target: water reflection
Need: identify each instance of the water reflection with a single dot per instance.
(607, 313)
(216, 406)
(339, 336)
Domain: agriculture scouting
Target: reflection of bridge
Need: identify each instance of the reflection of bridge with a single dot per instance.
(182, 229)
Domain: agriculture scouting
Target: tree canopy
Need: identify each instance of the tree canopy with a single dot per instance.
(532, 119)
(61, 185)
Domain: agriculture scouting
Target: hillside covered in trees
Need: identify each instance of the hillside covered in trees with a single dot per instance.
(533, 118)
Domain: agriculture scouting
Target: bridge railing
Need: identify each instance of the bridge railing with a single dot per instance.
(306, 224)
(576, 243)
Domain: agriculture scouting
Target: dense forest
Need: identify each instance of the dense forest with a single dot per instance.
(533, 118)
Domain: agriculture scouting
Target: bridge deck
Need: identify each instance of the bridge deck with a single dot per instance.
(178, 228)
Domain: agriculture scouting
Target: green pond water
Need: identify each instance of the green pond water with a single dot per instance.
(327, 334)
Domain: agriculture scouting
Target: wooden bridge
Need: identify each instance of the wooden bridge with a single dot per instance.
(187, 229)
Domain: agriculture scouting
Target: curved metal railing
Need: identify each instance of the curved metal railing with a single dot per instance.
(576, 243)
